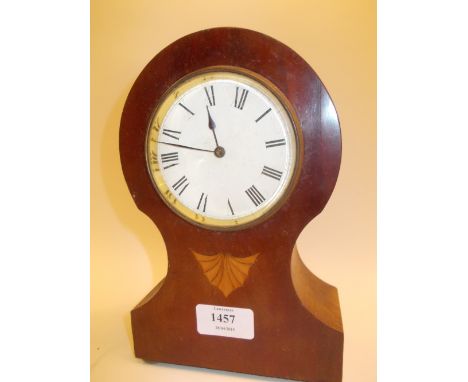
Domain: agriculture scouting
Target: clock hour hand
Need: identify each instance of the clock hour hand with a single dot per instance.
(185, 147)
(212, 126)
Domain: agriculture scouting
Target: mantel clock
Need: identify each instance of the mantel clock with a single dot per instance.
(231, 144)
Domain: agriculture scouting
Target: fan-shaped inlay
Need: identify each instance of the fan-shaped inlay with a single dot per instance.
(224, 271)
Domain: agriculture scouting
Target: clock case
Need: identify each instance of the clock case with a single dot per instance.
(298, 327)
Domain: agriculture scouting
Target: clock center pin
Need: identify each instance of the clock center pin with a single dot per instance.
(219, 151)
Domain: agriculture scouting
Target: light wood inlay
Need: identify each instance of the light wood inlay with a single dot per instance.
(224, 271)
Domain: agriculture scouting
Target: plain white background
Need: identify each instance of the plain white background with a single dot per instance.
(422, 188)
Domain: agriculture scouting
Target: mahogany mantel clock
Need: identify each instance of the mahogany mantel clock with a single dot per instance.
(230, 143)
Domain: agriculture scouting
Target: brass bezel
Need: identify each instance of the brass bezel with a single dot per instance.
(186, 83)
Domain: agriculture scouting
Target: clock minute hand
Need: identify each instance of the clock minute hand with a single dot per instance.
(212, 126)
(185, 147)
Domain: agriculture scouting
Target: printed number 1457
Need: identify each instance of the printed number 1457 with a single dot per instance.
(223, 318)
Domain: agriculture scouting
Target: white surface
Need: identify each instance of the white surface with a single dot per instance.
(28, 262)
(225, 321)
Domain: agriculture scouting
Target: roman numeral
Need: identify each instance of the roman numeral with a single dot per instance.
(172, 133)
(211, 99)
(243, 97)
(255, 196)
(154, 158)
(186, 108)
(265, 113)
(272, 173)
(230, 207)
(202, 202)
(181, 182)
(170, 157)
(277, 142)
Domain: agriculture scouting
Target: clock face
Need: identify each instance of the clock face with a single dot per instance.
(221, 149)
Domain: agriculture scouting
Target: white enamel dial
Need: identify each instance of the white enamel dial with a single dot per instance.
(221, 149)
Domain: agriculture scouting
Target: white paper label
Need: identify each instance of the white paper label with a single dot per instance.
(225, 321)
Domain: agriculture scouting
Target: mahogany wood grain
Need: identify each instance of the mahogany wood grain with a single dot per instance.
(298, 331)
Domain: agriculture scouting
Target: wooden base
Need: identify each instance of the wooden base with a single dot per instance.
(298, 329)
